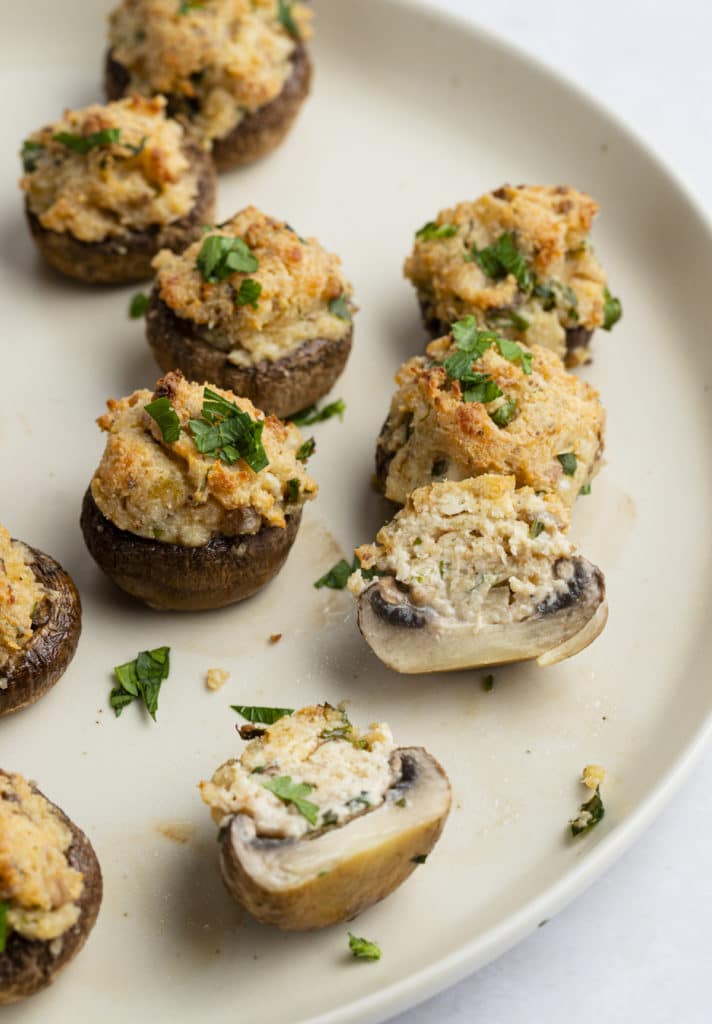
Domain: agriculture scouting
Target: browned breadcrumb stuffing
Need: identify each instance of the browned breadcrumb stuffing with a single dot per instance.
(216, 678)
(20, 594)
(142, 180)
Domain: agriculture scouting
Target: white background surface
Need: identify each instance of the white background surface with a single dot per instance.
(637, 946)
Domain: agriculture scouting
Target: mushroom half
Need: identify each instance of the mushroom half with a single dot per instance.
(334, 874)
(477, 573)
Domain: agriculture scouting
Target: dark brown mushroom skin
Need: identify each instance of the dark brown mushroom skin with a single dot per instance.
(258, 133)
(27, 965)
(281, 387)
(127, 258)
(56, 626)
(577, 338)
(180, 578)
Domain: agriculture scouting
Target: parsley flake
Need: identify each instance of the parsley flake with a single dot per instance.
(161, 410)
(306, 450)
(138, 305)
(31, 152)
(364, 949)
(339, 307)
(420, 858)
(224, 431)
(141, 679)
(586, 489)
(431, 231)
(505, 413)
(536, 528)
(294, 793)
(286, 17)
(306, 417)
(4, 927)
(291, 492)
(508, 318)
(488, 683)
(249, 293)
(501, 259)
(190, 5)
(337, 576)
(612, 310)
(568, 463)
(221, 257)
(589, 815)
(83, 144)
(261, 715)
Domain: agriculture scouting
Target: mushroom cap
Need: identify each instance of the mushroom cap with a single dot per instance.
(411, 639)
(37, 666)
(333, 875)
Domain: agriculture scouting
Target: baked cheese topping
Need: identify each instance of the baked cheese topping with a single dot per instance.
(141, 180)
(36, 879)
(348, 772)
(550, 227)
(432, 434)
(298, 281)
(480, 551)
(20, 594)
(173, 493)
(217, 59)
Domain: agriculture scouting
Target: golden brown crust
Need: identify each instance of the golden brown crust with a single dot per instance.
(40, 663)
(128, 258)
(171, 576)
(27, 966)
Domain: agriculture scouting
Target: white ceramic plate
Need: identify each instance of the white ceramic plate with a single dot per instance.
(411, 111)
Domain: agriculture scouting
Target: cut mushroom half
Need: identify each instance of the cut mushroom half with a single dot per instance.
(477, 573)
(335, 874)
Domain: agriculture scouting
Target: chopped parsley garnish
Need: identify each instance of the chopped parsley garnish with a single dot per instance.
(31, 152)
(589, 815)
(329, 818)
(190, 5)
(501, 259)
(260, 715)
(137, 150)
(402, 802)
(306, 450)
(337, 576)
(226, 432)
(284, 13)
(471, 343)
(568, 463)
(488, 683)
(85, 143)
(161, 410)
(536, 528)
(505, 413)
(358, 801)
(430, 231)
(363, 949)
(4, 928)
(291, 492)
(508, 318)
(294, 793)
(340, 307)
(420, 858)
(138, 306)
(586, 489)
(221, 257)
(249, 292)
(612, 310)
(306, 417)
(141, 679)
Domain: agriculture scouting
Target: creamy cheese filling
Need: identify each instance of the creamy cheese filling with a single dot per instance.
(142, 179)
(36, 879)
(222, 58)
(20, 595)
(344, 773)
(479, 551)
(550, 226)
(169, 491)
(431, 434)
(302, 292)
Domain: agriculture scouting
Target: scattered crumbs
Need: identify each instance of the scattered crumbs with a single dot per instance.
(542, 923)
(488, 682)
(604, 718)
(604, 147)
(275, 638)
(216, 678)
(126, 913)
(593, 775)
(527, 751)
(177, 831)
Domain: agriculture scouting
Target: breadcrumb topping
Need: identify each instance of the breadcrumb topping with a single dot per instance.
(141, 180)
(36, 879)
(297, 278)
(218, 59)
(173, 493)
(550, 226)
(20, 594)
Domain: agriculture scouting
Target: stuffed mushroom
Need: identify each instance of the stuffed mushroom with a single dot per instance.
(255, 308)
(107, 187)
(238, 70)
(40, 623)
(318, 820)
(477, 573)
(520, 261)
(198, 496)
(481, 403)
(50, 889)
